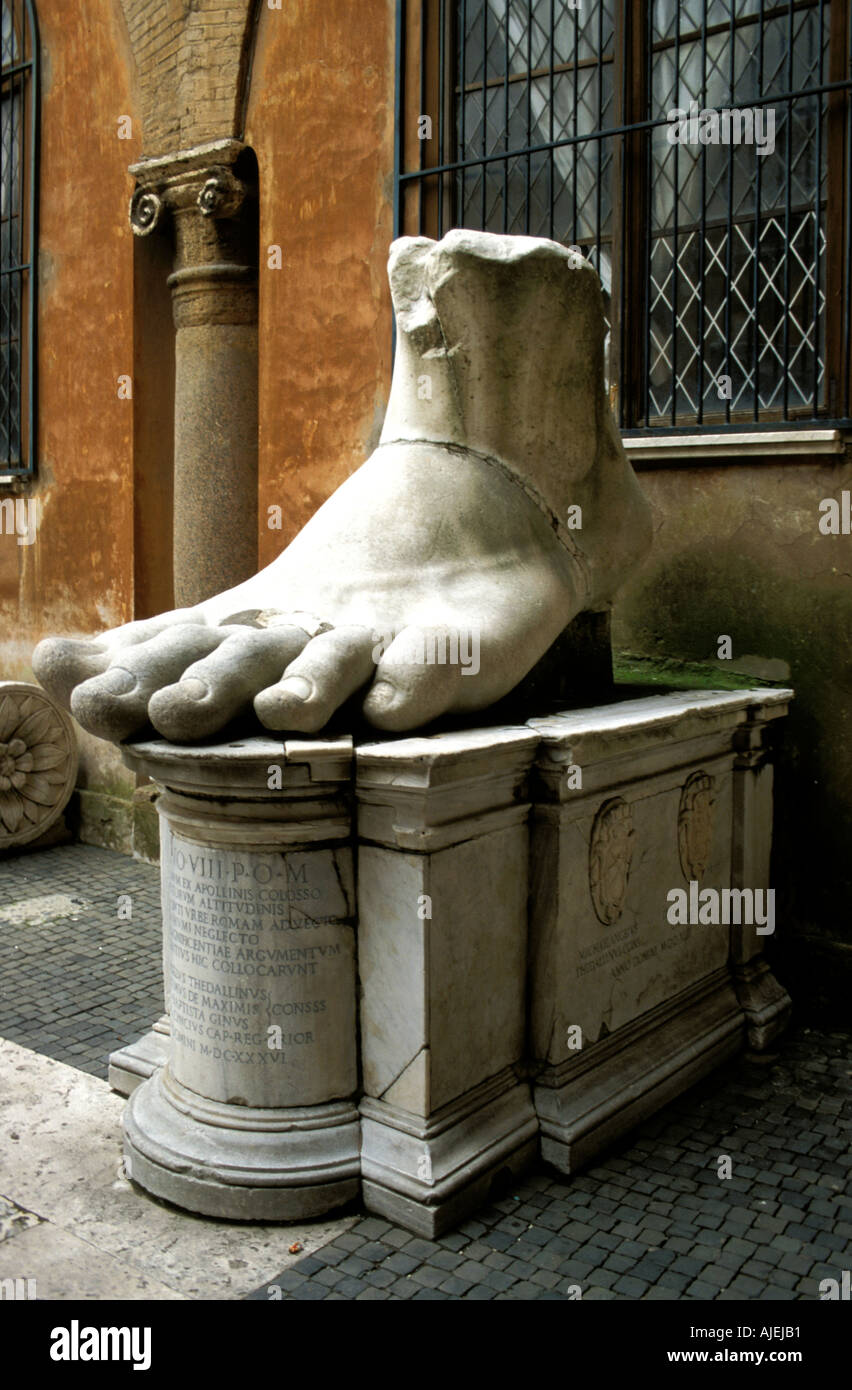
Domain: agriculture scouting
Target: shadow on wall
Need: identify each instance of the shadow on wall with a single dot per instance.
(680, 611)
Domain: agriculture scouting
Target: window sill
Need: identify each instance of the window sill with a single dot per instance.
(733, 448)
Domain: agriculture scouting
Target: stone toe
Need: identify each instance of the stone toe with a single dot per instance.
(221, 686)
(332, 667)
(417, 680)
(114, 704)
(61, 663)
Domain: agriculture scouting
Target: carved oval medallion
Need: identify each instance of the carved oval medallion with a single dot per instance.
(695, 825)
(38, 762)
(610, 853)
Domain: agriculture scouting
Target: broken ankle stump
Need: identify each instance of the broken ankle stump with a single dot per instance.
(254, 1115)
(650, 907)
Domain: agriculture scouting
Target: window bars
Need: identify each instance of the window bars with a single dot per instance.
(699, 152)
(18, 207)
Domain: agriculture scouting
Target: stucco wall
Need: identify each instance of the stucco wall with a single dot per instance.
(77, 576)
(738, 551)
(320, 119)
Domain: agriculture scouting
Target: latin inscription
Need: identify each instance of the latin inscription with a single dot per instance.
(621, 951)
(260, 951)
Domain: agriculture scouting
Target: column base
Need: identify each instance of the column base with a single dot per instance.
(428, 1175)
(240, 1163)
(611, 1086)
(129, 1066)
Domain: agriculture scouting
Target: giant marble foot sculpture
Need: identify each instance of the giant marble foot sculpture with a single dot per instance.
(498, 505)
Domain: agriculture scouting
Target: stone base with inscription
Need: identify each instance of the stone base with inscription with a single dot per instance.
(640, 808)
(524, 984)
(254, 1115)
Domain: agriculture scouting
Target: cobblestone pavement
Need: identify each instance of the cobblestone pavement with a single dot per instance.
(76, 980)
(653, 1220)
(650, 1221)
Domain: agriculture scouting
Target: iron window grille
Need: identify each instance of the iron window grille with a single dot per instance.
(18, 210)
(727, 272)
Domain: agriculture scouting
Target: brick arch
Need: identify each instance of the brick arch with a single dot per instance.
(192, 58)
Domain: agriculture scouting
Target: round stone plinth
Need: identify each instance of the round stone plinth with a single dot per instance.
(240, 1163)
(38, 762)
(253, 1117)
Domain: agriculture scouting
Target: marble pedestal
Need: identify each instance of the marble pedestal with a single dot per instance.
(628, 1008)
(443, 858)
(520, 980)
(253, 1115)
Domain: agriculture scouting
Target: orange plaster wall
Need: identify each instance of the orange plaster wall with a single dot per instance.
(78, 575)
(320, 119)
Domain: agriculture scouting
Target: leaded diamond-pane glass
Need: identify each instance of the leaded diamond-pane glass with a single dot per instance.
(545, 85)
(713, 245)
(736, 277)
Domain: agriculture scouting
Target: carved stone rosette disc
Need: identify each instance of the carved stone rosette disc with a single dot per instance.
(695, 825)
(610, 853)
(38, 762)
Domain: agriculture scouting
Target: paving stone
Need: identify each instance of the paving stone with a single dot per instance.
(446, 1259)
(73, 964)
(699, 1288)
(310, 1292)
(454, 1286)
(404, 1289)
(630, 1287)
(399, 1239)
(688, 1264)
(548, 1258)
(477, 1250)
(375, 1251)
(499, 1240)
(745, 1284)
(402, 1263)
(350, 1241)
(456, 1242)
(670, 1279)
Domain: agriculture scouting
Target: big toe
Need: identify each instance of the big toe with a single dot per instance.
(417, 680)
(114, 705)
(61, 663)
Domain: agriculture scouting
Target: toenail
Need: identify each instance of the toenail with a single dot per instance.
(297, 686)
(194, 688)
(116, 681)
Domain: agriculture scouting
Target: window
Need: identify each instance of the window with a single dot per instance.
(721, 234)
(18, 143)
